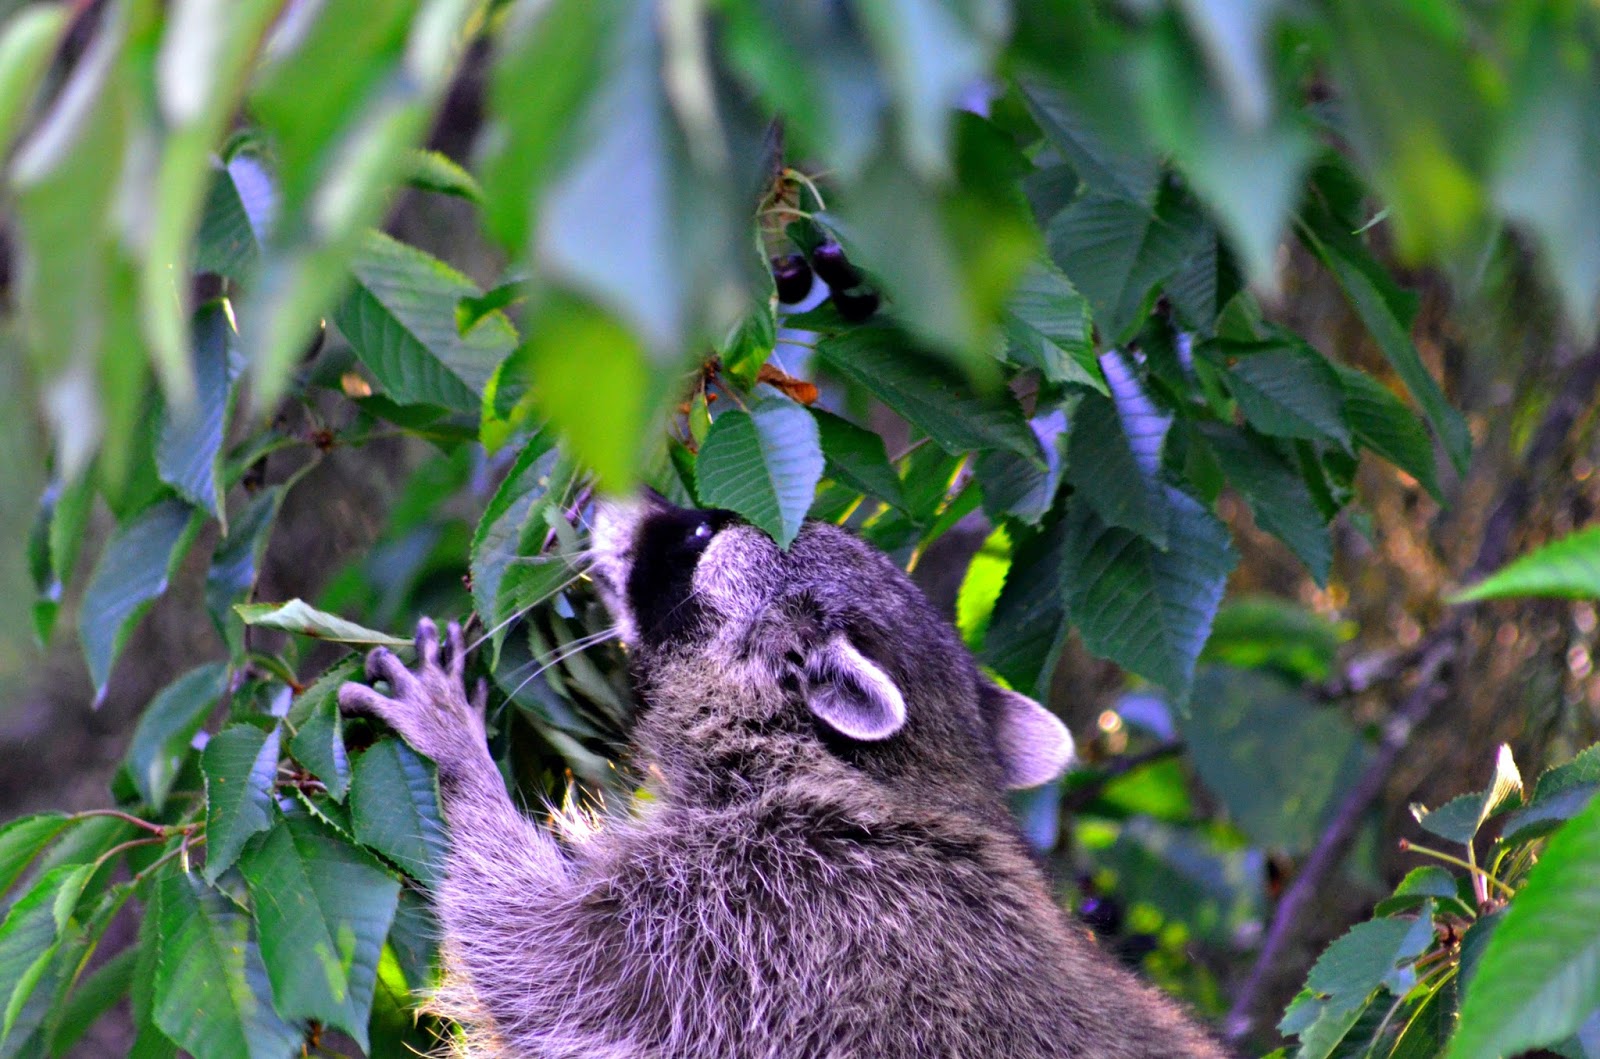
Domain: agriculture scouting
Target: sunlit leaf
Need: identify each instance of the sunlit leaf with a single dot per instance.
(1567, 568)
(763, 464)
(1539, 977)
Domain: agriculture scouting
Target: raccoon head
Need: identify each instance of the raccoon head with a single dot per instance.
(825, 646)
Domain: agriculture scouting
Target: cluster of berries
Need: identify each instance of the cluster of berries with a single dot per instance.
(847, 288)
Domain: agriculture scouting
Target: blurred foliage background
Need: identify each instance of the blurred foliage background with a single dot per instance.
(1191, 355)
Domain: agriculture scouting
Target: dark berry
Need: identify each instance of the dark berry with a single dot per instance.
(834, 268)
(856, 304)
(793, 278)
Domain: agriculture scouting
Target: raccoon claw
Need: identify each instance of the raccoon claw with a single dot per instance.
(427, 704)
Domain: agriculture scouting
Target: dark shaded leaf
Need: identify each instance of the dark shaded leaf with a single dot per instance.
(394, 804)
(928, 394)
(322, 909)
(240, 765)
(161, 740)
(401, 319)
(132, 571)
(211, 993)
(857, 458)
(1146, 609)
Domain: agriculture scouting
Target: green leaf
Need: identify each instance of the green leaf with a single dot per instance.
(298, 616)
(211, 993)
(931, 58)
(1277, 494)
(537, 477)
(401, 320)
(1115, 170)
(1047, 323)
(1460, 819)
(29, 936)
(27, 41)
(952, 251)
(1247, 169)
(161, 740)
(62, 180)
(1116, 252)
(1272, 633)
(340, 127)
(189, 454)
(433, 171)
(981, 586)
(240, 764)
(1114, 449)
(1290, 392)
(1539, 976)
(856, 457)
(1363, 283)
(23, 839)
(1370, 955)
(228, 243)
(1550, 147)
(322, 909)
(132, 571)
(394, 804)
(92, 997)
(1146, 609)
(1382, 423)
(205, 59)
(1029, 622)
(1015, 488)
(763, 464)
(570, 344)
(550, 58)
(928, 394)
(236, 564)
(318, 726)
(1276, 761)
(1214, 890)
(629, 253)
(1567, 568)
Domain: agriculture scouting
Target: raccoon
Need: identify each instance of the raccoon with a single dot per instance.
(827, 867)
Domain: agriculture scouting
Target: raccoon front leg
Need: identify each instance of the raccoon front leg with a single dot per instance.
(499, 862)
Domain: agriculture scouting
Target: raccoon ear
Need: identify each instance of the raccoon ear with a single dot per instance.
(850, 693)
(1034, 746)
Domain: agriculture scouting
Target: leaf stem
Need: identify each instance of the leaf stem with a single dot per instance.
(157, 829)
(1478, 873)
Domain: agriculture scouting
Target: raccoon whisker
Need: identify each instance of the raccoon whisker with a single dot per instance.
(576, 647)
(564, 650)
(512, 618)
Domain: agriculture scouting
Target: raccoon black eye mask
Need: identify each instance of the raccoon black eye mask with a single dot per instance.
(827, 868)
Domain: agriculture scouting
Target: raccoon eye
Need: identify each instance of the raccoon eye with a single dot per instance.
(701, 532)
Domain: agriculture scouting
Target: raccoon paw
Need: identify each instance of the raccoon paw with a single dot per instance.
(427, 704)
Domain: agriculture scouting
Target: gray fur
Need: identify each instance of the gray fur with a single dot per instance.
(788, 892)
